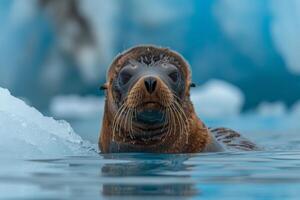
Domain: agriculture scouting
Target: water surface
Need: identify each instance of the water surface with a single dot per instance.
(247, 175)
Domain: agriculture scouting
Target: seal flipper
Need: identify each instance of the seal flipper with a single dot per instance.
(213, 146)
(230, 140)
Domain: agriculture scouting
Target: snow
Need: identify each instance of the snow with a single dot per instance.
(25, 132)
(216, 99)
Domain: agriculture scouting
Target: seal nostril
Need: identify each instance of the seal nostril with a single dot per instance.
(150, 84)
(154, 84)
(147, 84)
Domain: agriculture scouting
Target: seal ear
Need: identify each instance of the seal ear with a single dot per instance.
(103, 87)
(193, 85)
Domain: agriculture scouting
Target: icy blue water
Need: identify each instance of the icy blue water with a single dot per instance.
(255, 175)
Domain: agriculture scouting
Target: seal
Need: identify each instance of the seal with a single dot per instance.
(148, 107)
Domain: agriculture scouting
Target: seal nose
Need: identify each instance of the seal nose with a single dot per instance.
(150, 83)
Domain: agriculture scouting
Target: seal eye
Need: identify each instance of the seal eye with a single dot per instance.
(134, 66)
(125, 77)
(174, 76)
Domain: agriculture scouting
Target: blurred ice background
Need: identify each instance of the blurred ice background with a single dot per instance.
(245, 56)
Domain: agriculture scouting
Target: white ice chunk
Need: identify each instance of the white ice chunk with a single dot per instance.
(25, 132)
(74, 106)
(275, 109)
(217, 99)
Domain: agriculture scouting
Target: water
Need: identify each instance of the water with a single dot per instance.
(254, 175)
(271, 174)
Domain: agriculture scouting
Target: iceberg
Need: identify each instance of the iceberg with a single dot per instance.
(234, 17)
(25, 132)
(74, 106)
(217, 99)
(285, 32)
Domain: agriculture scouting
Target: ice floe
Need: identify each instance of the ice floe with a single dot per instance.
(25, 132)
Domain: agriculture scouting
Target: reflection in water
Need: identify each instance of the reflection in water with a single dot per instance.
(150, 168)
(255, 175)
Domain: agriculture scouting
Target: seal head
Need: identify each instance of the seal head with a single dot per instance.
(148, 108)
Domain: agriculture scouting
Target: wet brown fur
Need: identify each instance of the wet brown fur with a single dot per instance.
(194, 137)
